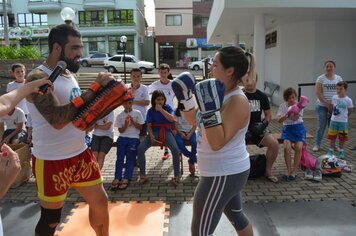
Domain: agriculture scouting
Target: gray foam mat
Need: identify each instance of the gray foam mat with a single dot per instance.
(332, 218)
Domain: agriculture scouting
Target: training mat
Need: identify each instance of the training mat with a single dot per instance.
(126, 219)
(317, 218)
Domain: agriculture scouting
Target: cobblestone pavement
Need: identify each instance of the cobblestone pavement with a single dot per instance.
(260, 190)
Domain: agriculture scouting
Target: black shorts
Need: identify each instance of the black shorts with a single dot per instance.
(101, 144)
(256, 139)
(143, 130)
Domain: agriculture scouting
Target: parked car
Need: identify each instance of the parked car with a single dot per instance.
(198, 65)
(116, 64)
(95, 59)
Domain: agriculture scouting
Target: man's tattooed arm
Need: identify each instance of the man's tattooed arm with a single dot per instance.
(48, 104)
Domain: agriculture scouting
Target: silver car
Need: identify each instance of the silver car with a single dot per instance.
(95, 59)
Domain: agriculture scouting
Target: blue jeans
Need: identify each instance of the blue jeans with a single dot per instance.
(170, 143)
(126, 147)
(192, 155)
(322, 122)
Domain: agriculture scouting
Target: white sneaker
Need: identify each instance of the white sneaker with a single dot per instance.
(315, 149)
(318, 175)
(308, 174)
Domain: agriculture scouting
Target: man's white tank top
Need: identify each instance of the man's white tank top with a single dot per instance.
(233, 158)
(57, 144)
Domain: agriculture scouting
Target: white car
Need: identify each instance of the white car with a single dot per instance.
(198, 65)
(116, 64)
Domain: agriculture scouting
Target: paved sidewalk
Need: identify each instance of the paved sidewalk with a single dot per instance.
(260, 190)
(280, 201)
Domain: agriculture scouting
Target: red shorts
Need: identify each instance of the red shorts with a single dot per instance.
(55, 178)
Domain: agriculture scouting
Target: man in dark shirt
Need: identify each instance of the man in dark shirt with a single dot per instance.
(258, 133)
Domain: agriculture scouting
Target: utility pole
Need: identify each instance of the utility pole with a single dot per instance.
(6, 24)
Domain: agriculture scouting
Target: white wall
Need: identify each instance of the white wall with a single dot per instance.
(297, 56)
(303, 47)
(337, 41)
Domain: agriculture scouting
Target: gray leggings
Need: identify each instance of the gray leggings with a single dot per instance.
(215, 195)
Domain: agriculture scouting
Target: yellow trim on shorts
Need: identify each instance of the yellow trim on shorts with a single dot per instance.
(39, 177)
(89, 183)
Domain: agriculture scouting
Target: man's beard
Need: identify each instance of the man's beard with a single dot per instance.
(71, 66)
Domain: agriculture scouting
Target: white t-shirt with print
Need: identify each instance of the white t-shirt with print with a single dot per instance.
(141, 94)
(11, 121)
(166, 88)
(15, 85)
(328, 87)
(106, 132)
(131, 131)
(340, 108)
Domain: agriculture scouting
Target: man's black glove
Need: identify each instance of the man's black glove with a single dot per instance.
(259, 128)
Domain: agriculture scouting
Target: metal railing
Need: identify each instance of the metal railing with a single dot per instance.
(313, 84)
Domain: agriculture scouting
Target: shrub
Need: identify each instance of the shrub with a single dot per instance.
(25, 52)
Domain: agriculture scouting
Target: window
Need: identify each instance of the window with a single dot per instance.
(89, 18)
(173, 20)
(271, 39)
(120, 16)
(200, 21)
(32, 19)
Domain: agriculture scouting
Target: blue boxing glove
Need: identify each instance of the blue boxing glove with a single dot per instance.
(210, 96)
(183, 87)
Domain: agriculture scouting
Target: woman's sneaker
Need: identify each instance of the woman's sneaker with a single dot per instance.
(308, 174)
(318, 175)
(330, 152)
(315, 149)
(341, 154)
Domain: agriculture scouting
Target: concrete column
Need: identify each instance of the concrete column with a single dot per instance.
(157, 54)
(259, 48)
(236, 40)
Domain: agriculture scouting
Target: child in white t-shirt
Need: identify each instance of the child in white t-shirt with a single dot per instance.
(14, 122)
(129, 122)
(18, 71)
(102, 137)
(293, 132)
(342, 108)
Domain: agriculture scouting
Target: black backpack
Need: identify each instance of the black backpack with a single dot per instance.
(258, 166)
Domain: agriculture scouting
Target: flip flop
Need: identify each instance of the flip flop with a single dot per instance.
(123, 185)
(143, 180)
(272, 178)
(115, 185)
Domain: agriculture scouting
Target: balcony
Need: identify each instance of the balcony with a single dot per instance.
(8, 7)
(44, 5)
(93, 4)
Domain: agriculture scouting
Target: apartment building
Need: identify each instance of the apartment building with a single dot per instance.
(291, 39)
(101, 22)
(180, 32)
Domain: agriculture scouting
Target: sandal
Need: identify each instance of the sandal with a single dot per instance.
(124, 184)
(272, 178)
(175, 181)
(142, 180)
(114, 185)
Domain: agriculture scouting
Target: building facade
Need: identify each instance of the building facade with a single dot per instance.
(180, 31)
(101, 23)
(290, 39)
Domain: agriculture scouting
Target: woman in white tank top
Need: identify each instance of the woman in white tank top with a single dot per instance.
(223, 160)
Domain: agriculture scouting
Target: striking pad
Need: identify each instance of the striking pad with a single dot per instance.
(108, 98)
